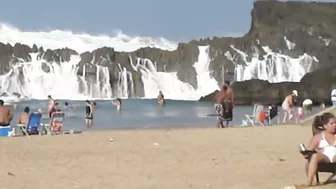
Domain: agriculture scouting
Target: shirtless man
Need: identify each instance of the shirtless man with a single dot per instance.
(51, 105)
(230, 93)
(287, 106)
(24, 117)
(160, 99)
(220, 98)
(6, 115)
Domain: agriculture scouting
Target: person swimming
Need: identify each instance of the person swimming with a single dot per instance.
(160, 99)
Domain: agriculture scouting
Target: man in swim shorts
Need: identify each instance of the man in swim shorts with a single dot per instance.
(88, 114)
(229, 102)
(221, 105)
(6, 115)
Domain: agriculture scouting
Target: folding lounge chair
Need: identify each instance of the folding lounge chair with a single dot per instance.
(33, 125)
(254, 118)
(322, 167)
(55, 126)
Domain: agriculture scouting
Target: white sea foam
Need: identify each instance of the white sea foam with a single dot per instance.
(80, 42)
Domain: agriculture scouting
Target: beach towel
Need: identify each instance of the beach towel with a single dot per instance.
(7, 131)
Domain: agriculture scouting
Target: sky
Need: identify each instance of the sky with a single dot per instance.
(178, 20)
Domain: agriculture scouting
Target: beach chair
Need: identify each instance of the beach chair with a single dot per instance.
(33, 125)
(55, 126)
(7, 131)
(322, 167)
(254, 118)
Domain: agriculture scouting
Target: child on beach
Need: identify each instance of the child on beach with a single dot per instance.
(300, 112)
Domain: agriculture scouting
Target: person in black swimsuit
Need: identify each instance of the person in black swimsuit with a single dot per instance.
(88, 114)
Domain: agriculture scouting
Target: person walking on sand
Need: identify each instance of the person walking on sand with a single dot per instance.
(160, 99)
(88, 114)
(6, 115)
(287, 106)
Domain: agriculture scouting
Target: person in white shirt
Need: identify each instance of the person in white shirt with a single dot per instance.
(307, 106)
(287, 105)
(333, 97)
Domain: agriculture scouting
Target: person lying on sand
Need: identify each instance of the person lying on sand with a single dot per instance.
(324, 143)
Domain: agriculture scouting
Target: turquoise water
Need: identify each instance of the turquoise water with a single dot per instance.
(139, 113)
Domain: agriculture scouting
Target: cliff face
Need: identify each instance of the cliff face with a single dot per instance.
(309, 26)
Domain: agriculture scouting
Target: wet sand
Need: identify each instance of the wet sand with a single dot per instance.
(234, 158)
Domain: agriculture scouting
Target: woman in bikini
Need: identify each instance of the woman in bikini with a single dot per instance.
(324, 143)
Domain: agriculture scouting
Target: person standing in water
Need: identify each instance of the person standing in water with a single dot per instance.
(117, 102)
(160, 99)
(88, 114)
(228, 102)
(287, 106)
(51, 105)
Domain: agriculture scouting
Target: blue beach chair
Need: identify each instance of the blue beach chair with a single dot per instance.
(32, 127)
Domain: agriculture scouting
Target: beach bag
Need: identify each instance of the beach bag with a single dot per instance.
(262, 116)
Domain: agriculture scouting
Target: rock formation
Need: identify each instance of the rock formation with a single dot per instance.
(309, 26)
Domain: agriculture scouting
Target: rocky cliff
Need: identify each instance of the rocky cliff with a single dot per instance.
(289, 28)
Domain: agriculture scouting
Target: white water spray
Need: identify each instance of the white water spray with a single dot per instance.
(36, 79)
(170, 85)
(274, 68)
(80, 42)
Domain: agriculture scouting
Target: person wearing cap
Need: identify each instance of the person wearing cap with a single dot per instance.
(287, 106)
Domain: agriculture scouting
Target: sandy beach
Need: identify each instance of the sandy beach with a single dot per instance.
(252, 157)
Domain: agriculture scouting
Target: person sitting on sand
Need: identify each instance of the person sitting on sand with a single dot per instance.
(6, 115)
(287, 106)
(324, 143)
(307, 106)
(117, 102)
(160, 99)
(24, 117)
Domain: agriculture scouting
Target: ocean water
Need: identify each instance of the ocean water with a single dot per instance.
(140, 114)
